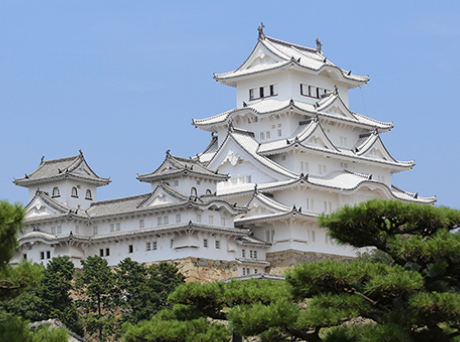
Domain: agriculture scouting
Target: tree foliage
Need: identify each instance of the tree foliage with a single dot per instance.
(405, 289)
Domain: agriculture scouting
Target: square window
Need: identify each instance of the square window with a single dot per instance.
(48, 255)
(42, 255)
(107, 251)
(255, 254)
(53, 230)
(178, 218)
(59, 229)
(171, 243)
(205, 243)
(198, 218)
(217, 244)
(243, 253)
(222, 221)
(267, 135)
(250, 253)
(155, 245)
(101, 252)
(24, 256)
(112, 227)
(211, 219)
(159, 220)
(255, 271)
(148, 246)
(262, 135)
(166, 219)
(130, 249)
(141, 223)
(94, 230)
(118, 226)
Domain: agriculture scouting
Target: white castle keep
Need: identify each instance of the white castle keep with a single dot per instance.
(290, 150)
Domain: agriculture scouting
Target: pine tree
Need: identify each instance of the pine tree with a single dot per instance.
(96, 284)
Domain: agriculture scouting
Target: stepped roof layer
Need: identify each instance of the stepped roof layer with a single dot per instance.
(300, 140)
(75, 168)
(287, 55)
(267, 107)
(175, 167)
(343, 180)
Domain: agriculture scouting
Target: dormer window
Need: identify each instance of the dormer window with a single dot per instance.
(194, 192)
(262, 92)
(88, 195)
(74, 192)
(56, 192)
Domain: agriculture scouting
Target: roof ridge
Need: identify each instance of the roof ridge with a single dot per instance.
(121, 199)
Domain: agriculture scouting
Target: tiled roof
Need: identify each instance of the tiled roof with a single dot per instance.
(174, 167)
(74, 167)
(260, 276)
(288, 54)
(250, 145)
(272, 106)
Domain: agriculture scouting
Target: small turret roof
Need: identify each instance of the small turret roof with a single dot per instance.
(75, 168)
(175, 167)
(283, 55)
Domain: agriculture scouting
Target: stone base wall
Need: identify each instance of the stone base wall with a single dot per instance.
(204, 270)
(284, 260)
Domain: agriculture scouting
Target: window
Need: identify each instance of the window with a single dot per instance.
(53, 230)
(267, 134)
(130, 249)
(107, 251)
(117, 226)
(208, 192)
(112, 227)
(251, 94)
(74, 192)
(248, 179)
(166, 219)
(255, 254)
(217, 244)
(198, 218)
(322, 169)
(159, 220)
(171, 243)
(211, 219)
(313, 238)
(178, 218)
(77, 229)
(272, 90)
(310, 204)
(42, 255)
(255, 271)
(101, 252)
(344, 141)
(344, 165)
(262, 135)
(261, 92)
(94, 230)
(88, 195)
(222, 221)
(176, 183)
(48, 255)
(327, 207)
(250, 254)
(148, 246)
(59, 229)
(56, 192)
(24, 256)
(304, 167)
(244, 271)
(155, 245)
(205, 243)
(243, 253)
(141, 223)
(193, 192)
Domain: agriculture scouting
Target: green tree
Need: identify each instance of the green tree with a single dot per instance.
(404, 290)
(199, 309)
(96, 284)
(55, 293)
(145, 289)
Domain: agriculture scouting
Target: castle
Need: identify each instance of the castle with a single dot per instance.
(248, 203)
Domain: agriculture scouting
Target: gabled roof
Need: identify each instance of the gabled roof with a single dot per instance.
(176, 167)
(245, 140)
(270, 55)
(209, 151)
(48, 209)
(271, 106)
(274, 210)
(304, 136)
(75, 168)
(344, 180)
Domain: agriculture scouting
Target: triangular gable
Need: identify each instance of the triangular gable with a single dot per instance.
(39, 207)
(373, 148)
(161, 196)
(260, 55)
(261, 205)
(241, 149)
(314, 136)
(335, 106)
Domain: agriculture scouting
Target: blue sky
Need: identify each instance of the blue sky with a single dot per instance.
(122, 80)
